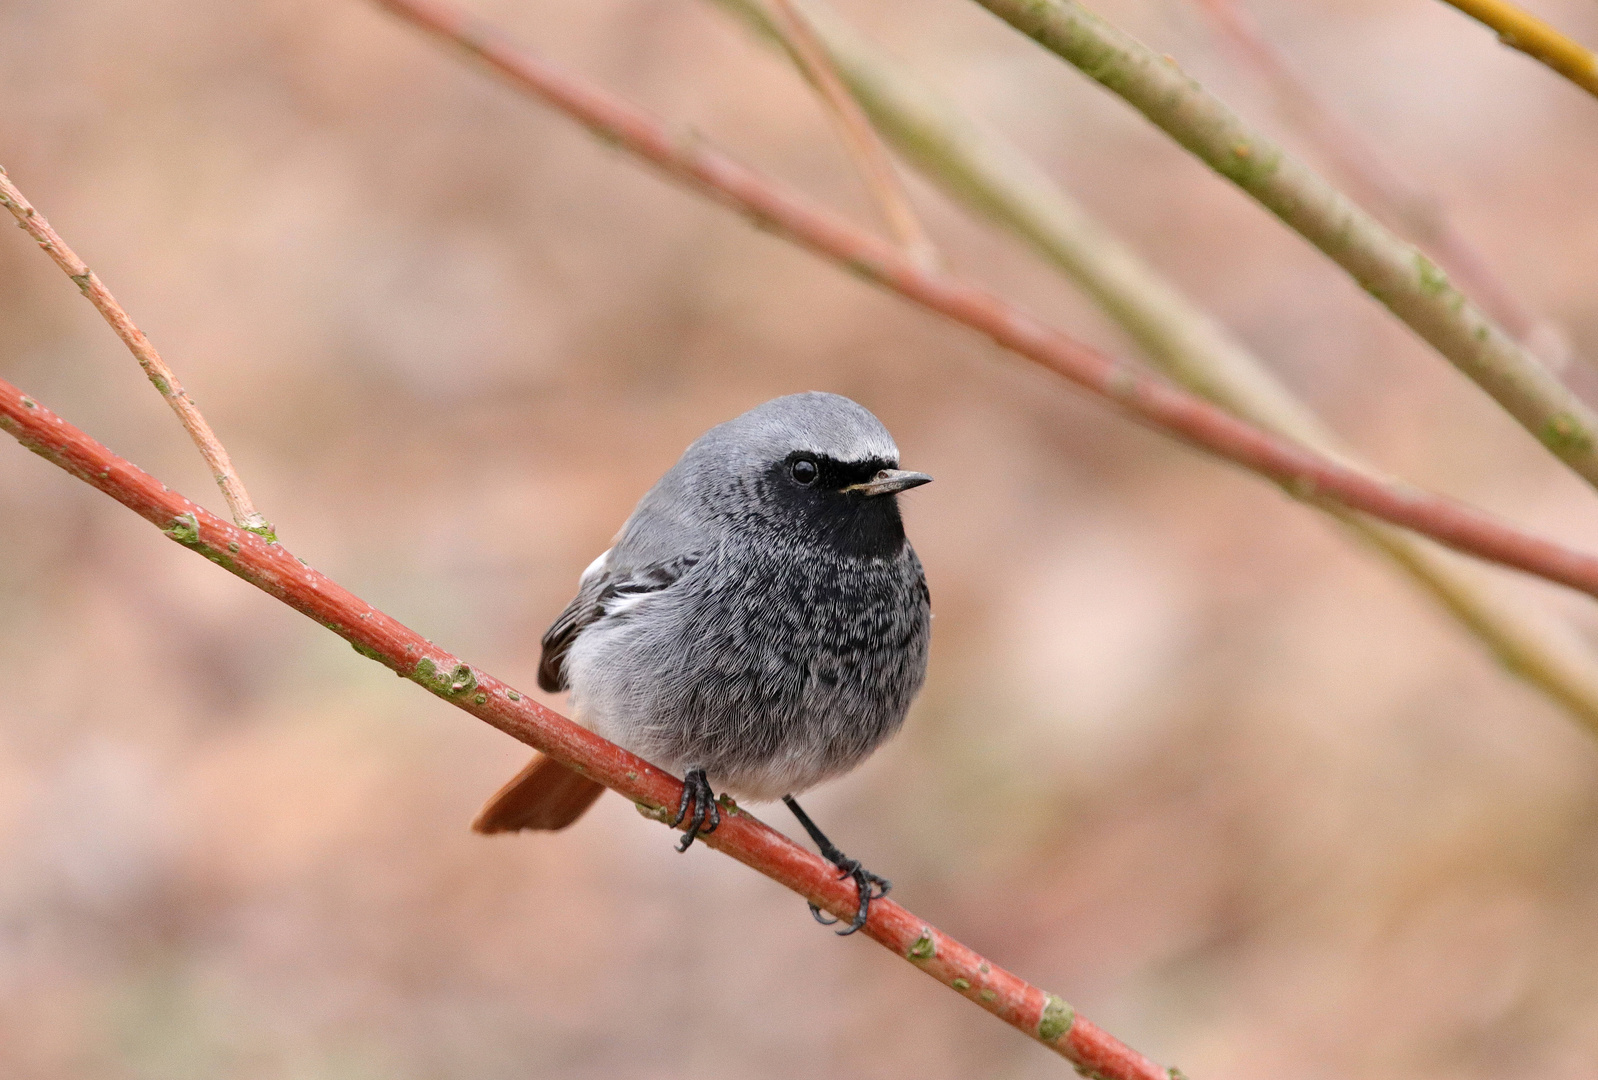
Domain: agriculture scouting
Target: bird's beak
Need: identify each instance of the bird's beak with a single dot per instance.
(890, 481)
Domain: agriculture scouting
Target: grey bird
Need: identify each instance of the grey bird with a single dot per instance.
(760, 624)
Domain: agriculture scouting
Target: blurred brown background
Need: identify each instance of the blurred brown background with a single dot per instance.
(1186, 757)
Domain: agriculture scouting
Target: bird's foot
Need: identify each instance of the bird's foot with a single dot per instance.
(869, 886)
(697, 807)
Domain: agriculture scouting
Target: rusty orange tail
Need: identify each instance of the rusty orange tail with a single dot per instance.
(545, 795)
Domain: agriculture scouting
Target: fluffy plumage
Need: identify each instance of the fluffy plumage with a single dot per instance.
(761, 615)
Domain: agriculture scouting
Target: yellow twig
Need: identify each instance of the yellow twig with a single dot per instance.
(1536, 39)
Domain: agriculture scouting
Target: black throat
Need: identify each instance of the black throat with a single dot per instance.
(848, 522)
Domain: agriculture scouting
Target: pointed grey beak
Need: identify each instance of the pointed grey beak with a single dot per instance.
(890, 481)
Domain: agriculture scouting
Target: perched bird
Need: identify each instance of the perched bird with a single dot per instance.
(760, 624)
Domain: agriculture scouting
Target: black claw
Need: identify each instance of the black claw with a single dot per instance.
(868, 886)
(682, 803)
(697, 797)
(820, 918)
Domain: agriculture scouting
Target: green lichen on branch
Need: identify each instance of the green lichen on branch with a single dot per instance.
(1056, 1020)
(185, 529)
(1248, 166)
(654, 813)
(368, 652)
(866, 270)
(1302, 488)
(1565, 434)
(453, 683)
(1432, 279)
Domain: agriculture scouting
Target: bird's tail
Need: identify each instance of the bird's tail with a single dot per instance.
(545, 795)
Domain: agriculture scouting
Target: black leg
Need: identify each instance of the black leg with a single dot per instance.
(698, 806)
(868, 885)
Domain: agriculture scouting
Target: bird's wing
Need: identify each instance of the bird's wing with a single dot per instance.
(603, 591)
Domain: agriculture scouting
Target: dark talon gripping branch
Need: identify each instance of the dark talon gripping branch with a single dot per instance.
(698, 806)
(869, 886)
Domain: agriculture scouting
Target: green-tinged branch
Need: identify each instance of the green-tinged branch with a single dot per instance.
(1392, 271)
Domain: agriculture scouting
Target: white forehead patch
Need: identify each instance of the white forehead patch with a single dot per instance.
(853, 451)
(825, 424)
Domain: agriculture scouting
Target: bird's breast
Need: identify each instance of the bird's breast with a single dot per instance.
(772, 671)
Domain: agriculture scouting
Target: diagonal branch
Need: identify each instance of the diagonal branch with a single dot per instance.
(982, 169)
(216, 456)
(1523, 31)
(859, 137)
(1391, 270)
(1303, 473)
(274, 570)
(1376, 182)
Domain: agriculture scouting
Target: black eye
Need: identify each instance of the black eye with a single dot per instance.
(804, 471)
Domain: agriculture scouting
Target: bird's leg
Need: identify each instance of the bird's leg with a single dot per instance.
(698, 807)
(868, 885)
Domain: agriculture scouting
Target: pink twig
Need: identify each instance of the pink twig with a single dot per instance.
(781, 210)
(271, 568)
(871, 157)
(216, 456)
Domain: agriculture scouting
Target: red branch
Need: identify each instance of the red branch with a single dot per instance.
(773, 206)
(273, 569)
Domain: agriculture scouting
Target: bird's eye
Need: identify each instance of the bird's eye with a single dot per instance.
(804, 471)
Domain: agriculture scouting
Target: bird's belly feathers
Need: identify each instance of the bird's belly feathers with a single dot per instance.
(759, 675)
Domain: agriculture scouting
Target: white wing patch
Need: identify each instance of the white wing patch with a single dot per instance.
(622, 603)
(595, 567)
(621, 596)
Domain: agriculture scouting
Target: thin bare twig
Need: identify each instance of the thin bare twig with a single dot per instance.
(379, 637)
(1535, 38)
(1304, 474)
(871, 158)
(1377, 183)
(1393, 271)
(160, 375)
(981, 168)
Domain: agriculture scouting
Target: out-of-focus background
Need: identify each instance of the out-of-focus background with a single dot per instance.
(1187, 756)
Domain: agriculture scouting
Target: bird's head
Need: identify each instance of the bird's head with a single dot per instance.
(816, 463)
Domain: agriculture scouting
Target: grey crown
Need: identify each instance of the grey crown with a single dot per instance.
(769, 634)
